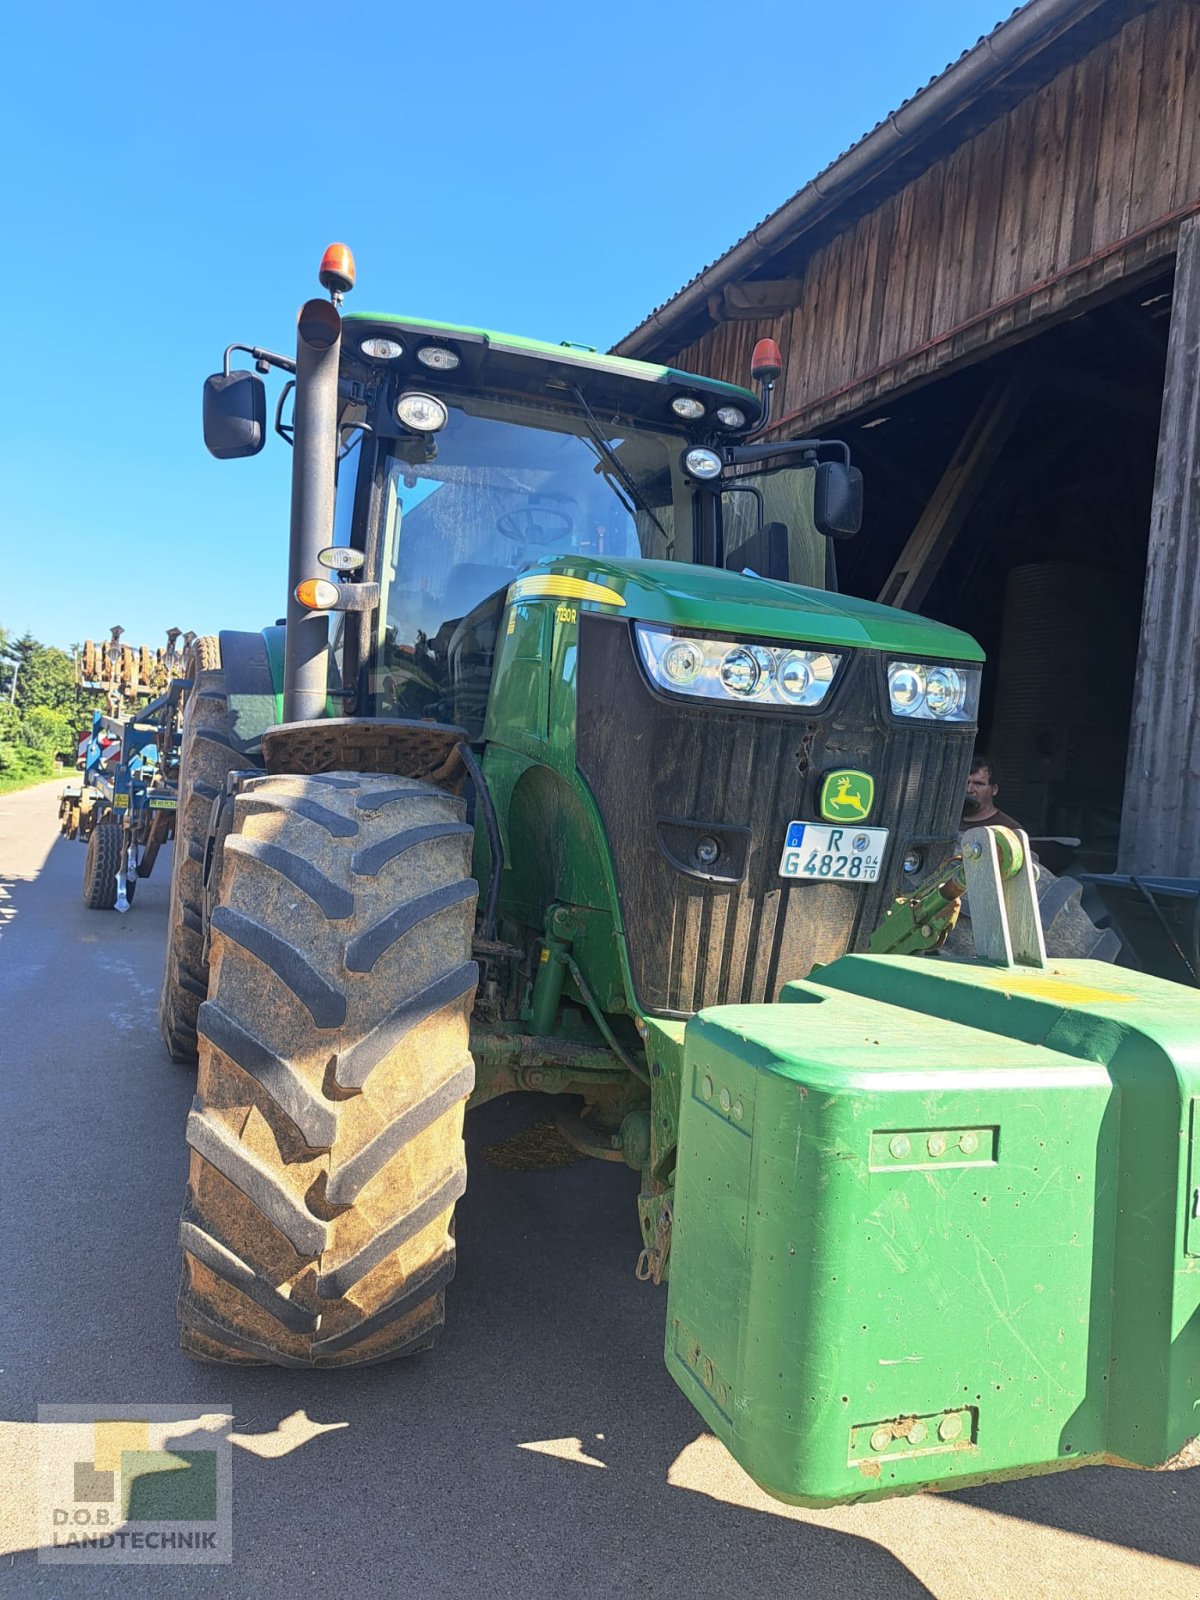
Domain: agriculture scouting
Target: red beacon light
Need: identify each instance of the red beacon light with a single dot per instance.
(337, 271)
(766, 363)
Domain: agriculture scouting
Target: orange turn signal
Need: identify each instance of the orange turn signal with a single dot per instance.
(318, 594)
(337, 269)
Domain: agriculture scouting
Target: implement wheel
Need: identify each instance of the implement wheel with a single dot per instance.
(206, 756)
(100, 867)
(326, 1133)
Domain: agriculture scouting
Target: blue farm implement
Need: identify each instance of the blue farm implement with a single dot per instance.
(122, 804)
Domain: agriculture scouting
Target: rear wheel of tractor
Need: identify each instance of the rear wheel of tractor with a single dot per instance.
(204, 655)
(1067, 929)
(326, 1133)
(101, 865)
(206, 757)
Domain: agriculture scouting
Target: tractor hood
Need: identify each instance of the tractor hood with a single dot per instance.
(709, 600)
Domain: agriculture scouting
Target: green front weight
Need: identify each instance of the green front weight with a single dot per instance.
(937, 1223)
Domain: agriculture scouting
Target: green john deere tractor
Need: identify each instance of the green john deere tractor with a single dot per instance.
(594, 788)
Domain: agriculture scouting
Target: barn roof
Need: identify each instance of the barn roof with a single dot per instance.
(1002, 68)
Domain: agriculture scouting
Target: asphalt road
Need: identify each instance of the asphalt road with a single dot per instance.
(541, 1450)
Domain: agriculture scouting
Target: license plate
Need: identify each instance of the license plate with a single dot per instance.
(845, 854)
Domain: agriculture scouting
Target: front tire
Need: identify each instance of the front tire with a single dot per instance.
(326, 1133)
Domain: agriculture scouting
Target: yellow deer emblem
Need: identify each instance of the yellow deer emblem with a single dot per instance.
(847, 796)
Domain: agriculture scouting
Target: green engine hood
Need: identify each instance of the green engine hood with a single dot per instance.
(710, 600)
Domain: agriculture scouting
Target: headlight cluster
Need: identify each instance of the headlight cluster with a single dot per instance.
(726, 669)
(687, 405)
(926, 689)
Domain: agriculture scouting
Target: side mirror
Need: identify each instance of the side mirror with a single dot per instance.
(235, 415)
(838, 500)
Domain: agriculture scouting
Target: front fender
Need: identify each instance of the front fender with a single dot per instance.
(253, 667)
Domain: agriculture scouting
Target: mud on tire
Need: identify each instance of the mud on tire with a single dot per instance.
(326, 1133)
(206, 757)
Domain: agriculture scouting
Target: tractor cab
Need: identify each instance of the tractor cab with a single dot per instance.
(470, 458)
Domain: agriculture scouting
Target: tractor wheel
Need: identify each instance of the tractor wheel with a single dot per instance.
(326, 1133)
(204, 655)
(1067, 929)
(206, 756)
(101, 865)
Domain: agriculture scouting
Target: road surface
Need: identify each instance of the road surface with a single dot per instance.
(540, 1451)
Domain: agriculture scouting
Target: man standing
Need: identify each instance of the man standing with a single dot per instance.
(979, 807)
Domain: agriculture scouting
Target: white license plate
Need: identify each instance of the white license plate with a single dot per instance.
(843, 853)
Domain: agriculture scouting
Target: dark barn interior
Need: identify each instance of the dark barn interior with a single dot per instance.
(994, 298)
(1050, 579)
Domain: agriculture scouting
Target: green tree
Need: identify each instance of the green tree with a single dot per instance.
(45, 678)
(40, 712)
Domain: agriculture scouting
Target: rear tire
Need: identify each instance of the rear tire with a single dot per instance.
(204, 655)
(206, 757)
(326, 1133)
(100, 867)
(1068, 931)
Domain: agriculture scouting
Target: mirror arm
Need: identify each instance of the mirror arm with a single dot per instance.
(740, 455)
(262, 358)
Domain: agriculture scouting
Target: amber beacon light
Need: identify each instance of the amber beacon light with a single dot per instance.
(337, 271)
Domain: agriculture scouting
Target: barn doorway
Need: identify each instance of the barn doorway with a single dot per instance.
(1013, 499)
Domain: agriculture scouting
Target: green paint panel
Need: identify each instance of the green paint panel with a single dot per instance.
(275, 640)
(519, 703)
(711, 600)
(931, 1226)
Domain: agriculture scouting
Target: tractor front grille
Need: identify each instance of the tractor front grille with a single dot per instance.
(666, 772)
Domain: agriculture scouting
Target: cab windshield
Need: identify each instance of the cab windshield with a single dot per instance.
(505, 485)
(508, 489)
(500, 492)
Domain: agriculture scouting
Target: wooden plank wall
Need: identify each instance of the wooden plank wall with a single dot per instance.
(1080, 185)
(1159, 833)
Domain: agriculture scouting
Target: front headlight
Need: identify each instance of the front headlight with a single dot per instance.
(930, 690)
(727, 669)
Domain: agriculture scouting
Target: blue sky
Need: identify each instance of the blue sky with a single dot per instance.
(174, 172)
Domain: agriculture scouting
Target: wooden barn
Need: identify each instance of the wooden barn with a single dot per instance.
(994, 298)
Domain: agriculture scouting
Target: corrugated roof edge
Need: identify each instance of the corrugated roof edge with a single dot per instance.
(1029, 29)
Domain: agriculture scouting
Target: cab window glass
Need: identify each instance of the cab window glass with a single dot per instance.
(760, 498)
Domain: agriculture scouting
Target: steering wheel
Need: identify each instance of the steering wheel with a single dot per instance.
(535, 524)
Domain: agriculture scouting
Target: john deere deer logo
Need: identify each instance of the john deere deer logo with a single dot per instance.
(847, 796)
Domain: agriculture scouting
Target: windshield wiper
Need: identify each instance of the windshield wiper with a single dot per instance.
(608, 457)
